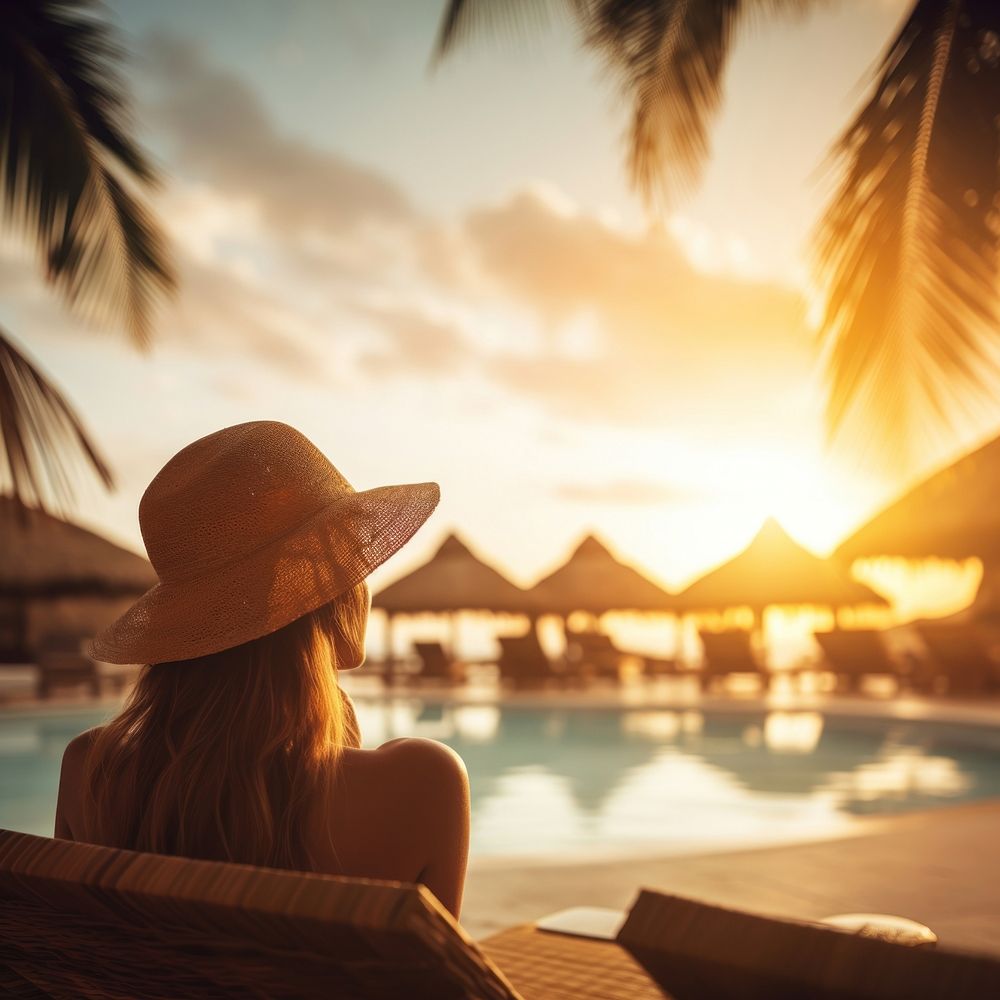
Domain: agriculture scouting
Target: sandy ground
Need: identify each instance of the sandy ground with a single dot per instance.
(941, 868)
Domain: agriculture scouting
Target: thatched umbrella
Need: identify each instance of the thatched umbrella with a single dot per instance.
(593, 580)
(952, 514)
(453, 580)
(773, 570)
(42, 556)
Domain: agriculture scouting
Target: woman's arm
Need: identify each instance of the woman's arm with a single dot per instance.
(432, 782)
(71, 777)
(448, 827)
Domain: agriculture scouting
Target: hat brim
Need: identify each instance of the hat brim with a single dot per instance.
(332, 551)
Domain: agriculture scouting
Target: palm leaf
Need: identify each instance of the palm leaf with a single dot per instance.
(69, 170)
(38, 430)
(463, 19)
(909, 246)
(668, 56)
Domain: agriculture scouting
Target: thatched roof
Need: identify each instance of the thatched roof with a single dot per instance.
(454, 579)
(953, 514)
(593, 580)
(775, 570)
(42, 555)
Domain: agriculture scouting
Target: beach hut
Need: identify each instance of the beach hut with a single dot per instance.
(594, 581)
(452, 581)
(952, 514)
(56, 576)
(775, 571)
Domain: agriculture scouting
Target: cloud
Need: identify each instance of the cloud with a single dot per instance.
(668, 341)
(413, 343)
(629, 493)
(317, 268)
(222, 132)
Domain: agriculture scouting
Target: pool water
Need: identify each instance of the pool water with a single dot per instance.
(567, 783)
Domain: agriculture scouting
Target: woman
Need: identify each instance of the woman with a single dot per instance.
(237, 743)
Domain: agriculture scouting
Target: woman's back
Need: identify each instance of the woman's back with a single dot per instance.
(399, 812)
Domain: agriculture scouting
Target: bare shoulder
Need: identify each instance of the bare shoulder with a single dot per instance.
(415, 767)
(69, 814)
(77, 749)
(416, 751)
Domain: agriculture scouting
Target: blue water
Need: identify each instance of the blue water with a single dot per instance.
(569, 783)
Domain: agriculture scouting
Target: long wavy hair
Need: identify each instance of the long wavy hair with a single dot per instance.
(222, 757)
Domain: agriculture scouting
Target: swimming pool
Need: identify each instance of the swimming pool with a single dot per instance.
(568, 783)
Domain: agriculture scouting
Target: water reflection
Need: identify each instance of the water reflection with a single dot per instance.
(571, 782)
(552, 781)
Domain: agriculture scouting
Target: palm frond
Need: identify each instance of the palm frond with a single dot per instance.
(69, 169)
(909, 247)
(463, 19)
(39, 431)
(668, 56)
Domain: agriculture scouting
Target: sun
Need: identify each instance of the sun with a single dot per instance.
(816, 502)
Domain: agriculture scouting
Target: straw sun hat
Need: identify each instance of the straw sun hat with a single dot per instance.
(248, 529)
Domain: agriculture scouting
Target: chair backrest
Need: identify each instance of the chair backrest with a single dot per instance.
(961, 654)
(695, 950)
(593, 643)
(855, 651)
(729, 652)
(956, 645)
(522, 658)
(434, 661)
(78, 920)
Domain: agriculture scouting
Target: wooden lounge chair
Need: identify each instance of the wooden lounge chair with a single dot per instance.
(436, 664)
(962, 658)
(855, 654)
(83, 921)
(523, 662)
(62, 662)
(593, 654)
(696, 950)
(729, 653)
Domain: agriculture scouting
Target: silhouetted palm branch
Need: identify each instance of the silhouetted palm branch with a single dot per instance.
(70, 173)
(68, 162)
(37, 428)
(668, 56)
(909, 246)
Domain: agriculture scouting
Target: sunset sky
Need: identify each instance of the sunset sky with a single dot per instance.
(443, 275)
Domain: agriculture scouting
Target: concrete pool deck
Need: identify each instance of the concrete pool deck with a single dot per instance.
(940, 867)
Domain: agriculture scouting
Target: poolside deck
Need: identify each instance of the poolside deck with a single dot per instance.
(940, 867)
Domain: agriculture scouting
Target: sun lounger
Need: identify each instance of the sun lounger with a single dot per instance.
(592, 654)
(695, 950)
(962, 658)
(855, 654)
(84, 921)
(523, 662)
(61, 662)
(436, 664)
(729, 653)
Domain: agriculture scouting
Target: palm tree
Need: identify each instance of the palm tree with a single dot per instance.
(71, 176)
(908, 247)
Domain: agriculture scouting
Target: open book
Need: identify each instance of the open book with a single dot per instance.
(696, 951)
